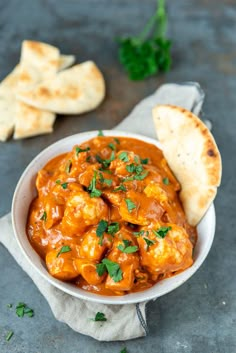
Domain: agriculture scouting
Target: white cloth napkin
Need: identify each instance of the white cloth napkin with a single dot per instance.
(123, 321)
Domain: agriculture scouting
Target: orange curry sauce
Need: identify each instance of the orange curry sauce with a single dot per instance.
(108, 218)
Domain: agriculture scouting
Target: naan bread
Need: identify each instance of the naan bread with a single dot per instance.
(8, 103)
(66, 61)
(193, 156)
(72, 91)
(38, 62)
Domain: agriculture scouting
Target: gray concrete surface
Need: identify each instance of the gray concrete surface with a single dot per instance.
(198, 317)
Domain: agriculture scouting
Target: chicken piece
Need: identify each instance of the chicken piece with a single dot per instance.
(62, 266)
(119, 164)
(53, 211)
(170, 254)
(82, 211)
(154, 190)
(128, 262)
(88, 271)
(90, 247)
(137, 208)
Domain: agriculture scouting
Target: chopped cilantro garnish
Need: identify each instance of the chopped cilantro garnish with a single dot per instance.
(137, 234)
(68, 166)
(123, 156)
(149, 242)
(161, 232)
(101, 269)
(9, 335)
(120, 188)
(64, 185)
(22, 309)
(165, 181)
(113, 228)
(88, 159)
(113, 269)
(100, 317)
(136, 159)
(127, 248)
(63, 250)
(105, 162)
(130, 205)
(101, 229)
(79, 150)
(112, 146)
(108, 171)
(100, 133)
(124, 350)
(58, 181)
(44, 216)
(92, 187)
(141, 176)
(130, 168)
(104, 181)
(117, 140)
(144, 161)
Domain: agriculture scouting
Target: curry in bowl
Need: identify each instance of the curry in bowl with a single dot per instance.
(108, 217)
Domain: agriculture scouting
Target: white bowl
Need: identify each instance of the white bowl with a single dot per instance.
(26, 191)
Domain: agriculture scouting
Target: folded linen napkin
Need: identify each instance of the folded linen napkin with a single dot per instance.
(125, 321)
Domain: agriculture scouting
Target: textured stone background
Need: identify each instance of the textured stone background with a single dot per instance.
(198, 317)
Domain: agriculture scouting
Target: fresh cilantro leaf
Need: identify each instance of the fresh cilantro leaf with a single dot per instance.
(105, 162)
(9, 335)
(44, 216)
(123, 156)
(144, 161)
(100, 133)
(161, 232)
(101, 269)
(58, 182)
(141, 176)
(112, 146)
(117, 140)
(113, 228)
(130, 168)
(113, 269)
(22, 309)
(64, 185)
(147, 54)
(100, 317)
(165, 181)
(94, 192)
(79, 150)
(149, 242)
(136, 159)
(63, 250)
(120, 188)
(137, 234)
(108, 171)
(68, 166)
(101, 229)
(88, 159)
(126, 248)
(130, 205)
(105, 181)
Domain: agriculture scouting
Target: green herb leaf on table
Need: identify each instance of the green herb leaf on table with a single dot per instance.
(130, 205)
(165, 181)
(22, 309)
(44, 216)
(113, 269)
(9, 335)
(127, 248)
(9, 306)
(148, 53)
(100, 317)
(161, 232)
(94, 192)
(124, 350)
(79, 150)
(63, 250)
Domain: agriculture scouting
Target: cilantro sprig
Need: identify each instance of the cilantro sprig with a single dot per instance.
(63, 250)
(104, 227)
(22, 309)
(113, 269)
(127, 248)
(94, 192)
(148, 53)
(100, 317)
(161, 232)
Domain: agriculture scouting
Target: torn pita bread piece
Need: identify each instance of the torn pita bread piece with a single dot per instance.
(72, 91)
(38, 61)
(8, 103)
(193, 156)
(66, 61)
(33, 121)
